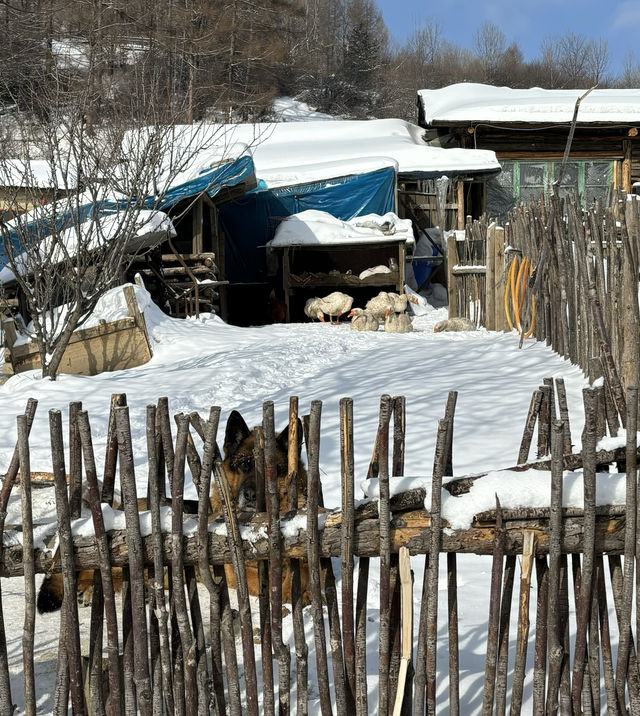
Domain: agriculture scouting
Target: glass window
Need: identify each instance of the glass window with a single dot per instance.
(505, 178)
(532, 174)
(596, 193)
(597, 173)
(571, 173)
(501, 192)
(527, 181)
(530, 193)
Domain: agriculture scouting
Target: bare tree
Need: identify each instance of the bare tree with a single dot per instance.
(64, 255)
(630, 73)
(490, 46)
(574, 61)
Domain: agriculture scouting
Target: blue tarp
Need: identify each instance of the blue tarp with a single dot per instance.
(250, 222)
(210, 180)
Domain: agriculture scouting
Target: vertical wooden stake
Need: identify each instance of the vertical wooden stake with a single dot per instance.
(6, 703)
(385, 553)
(136, 563)
(29, 570)
(406, 581)
(68, 568)
(314, 558)
(494, 616)
(113, 651)
(519, 668)
(346, 551)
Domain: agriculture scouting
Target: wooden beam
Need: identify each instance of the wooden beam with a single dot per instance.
(627, 148)
(197, 227)
(490, 280)
(452, 286)
(461, 206)
(499, 277)
(410, 529)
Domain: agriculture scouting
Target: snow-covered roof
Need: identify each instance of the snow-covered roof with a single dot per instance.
(290, 153)
(318, 227)
(36, 173)
(151, 227)
(471, 102)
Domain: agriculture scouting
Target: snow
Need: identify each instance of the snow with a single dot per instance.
(202, 362)
(514, 489)
(318, 227)
(36, 173)
(473, 102)
(289, 153)
(110, 307)
(289, 109)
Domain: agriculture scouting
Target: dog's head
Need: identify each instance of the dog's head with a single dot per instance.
(239, 460)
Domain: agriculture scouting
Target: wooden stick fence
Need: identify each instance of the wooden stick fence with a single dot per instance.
(166, 660)
(578, 291)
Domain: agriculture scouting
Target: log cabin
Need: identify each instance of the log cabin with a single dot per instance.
(528, 130)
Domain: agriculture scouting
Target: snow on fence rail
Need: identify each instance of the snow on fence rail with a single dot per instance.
(168, 660)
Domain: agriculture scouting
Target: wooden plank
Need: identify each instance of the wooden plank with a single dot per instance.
(197, 226)
(106, 347)
(499, 279)
(327, 280)
(626, 165)
(26, 350)
(202, 257)
(532, 156)
(409, 529)
(468, 270)
(460, 207)
(134, 312)
(452, 284)
(490, 310)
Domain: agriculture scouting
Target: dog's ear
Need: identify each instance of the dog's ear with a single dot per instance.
(236, 431)
(282, 441)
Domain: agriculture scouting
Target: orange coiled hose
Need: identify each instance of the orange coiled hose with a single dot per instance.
(516, 294)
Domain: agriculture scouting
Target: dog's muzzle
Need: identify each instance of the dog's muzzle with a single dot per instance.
(247, 495)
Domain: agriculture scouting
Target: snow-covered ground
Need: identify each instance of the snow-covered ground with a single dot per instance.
(199, 363)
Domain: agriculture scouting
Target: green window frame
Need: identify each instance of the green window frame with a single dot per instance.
(526, 180)
(577, 175)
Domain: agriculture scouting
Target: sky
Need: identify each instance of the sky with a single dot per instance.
(527, 23)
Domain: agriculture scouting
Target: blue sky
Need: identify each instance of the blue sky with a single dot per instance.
(527, 23)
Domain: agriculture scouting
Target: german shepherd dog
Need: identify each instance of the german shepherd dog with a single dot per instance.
(239, 469)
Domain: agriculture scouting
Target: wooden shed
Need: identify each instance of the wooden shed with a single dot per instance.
(186, 274)
(25, 184)
(321, 254)
(528, 131)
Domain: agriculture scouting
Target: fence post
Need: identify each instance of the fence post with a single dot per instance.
(490, 314)
(499, 284)
(452, 281)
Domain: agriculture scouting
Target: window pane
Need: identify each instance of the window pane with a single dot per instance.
(528, 194)
(505, 178)
(532, 174)
(597, 173)
(570, 176)
(499, 198)
(596, 193)
(564, 191)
